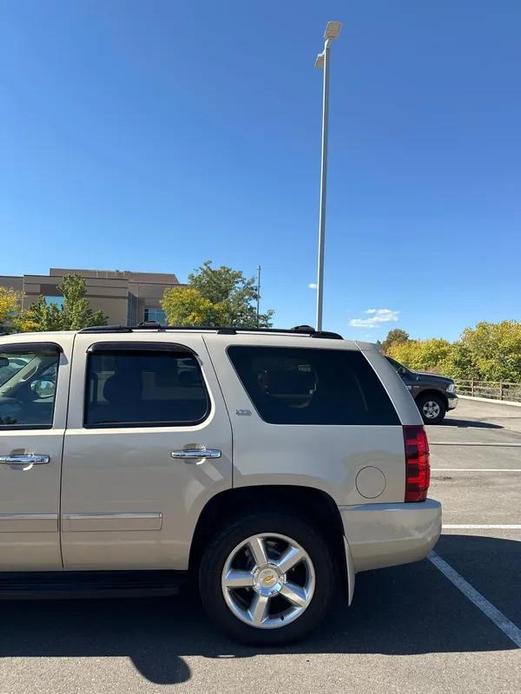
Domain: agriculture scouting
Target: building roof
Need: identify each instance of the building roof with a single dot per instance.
(148, 277)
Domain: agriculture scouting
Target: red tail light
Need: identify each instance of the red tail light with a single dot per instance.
(417, 468)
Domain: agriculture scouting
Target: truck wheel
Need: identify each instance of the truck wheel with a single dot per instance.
(268, 578)
(432, 408)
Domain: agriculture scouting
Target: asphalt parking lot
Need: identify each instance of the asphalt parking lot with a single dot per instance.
(410, 628)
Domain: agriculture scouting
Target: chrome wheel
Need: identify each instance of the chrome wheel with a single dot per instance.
(431, 409)
(268, 580)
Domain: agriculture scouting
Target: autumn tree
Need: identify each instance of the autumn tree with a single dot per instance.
(489, 352)
(74, 314)
(422, 355)
(395, 336)
(187, 306)
(215, 297)
(9, 305)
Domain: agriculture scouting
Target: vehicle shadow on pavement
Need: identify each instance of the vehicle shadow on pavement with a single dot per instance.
(405, 610)
(469, 424)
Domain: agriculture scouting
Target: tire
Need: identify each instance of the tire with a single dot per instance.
(314, 576)
(432, 408)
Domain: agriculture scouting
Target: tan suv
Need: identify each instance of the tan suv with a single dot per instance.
(271, 466)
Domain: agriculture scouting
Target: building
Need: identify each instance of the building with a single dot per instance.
(127, 298)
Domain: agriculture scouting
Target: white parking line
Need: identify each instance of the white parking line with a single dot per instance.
(479, 526)
(507, 627)
(494, 444)
(475, 469)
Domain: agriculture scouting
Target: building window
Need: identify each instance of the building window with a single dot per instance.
(132, 310)
(54, 301)
(155, 314)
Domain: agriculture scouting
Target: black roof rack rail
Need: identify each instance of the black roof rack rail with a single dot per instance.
(224, 330)
(106, 329)
(150, 325)
(304, 329)
(327, 335)
(299, 329)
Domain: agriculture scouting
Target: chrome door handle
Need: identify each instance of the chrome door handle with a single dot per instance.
(192, 454)
(27, 460)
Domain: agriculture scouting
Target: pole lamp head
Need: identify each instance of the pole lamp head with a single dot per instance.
(333, 30)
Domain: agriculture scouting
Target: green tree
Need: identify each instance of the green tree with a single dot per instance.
(75, 313)
(9, 306)
(394, 336)
(489, 352)
(215, 297)
(422, 355)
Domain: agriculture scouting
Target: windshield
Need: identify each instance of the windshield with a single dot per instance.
(399, 368)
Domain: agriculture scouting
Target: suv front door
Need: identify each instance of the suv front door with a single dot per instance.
(134, 483)
(33, 410)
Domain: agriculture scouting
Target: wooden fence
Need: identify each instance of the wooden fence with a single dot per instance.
(495, 390)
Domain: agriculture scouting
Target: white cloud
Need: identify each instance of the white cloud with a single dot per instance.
(312, 285)
(377, 317)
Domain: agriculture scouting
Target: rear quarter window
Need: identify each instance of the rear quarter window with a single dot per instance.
(312, 386)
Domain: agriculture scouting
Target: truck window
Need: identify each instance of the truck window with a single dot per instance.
(28, 378)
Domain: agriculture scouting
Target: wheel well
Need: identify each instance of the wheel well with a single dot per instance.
(309, 502)
(430, 393)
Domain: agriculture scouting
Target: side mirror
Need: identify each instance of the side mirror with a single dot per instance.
(43, 389)
(4, 361)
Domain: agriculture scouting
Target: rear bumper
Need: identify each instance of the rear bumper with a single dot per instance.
(381, 535)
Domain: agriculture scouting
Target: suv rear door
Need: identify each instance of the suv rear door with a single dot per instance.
(33, 410)
(126, 502)
(312, 412)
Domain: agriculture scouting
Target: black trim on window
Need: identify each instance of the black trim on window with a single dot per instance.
(147, 425)
(15, 347)
(374, 406)
(25, 427)
(141, 347)
(23, 348)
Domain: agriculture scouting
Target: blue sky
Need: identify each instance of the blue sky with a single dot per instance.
(155, 135)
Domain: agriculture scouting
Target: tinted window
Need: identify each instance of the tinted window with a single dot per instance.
(312, 386)
(28, 387)
(144, 388)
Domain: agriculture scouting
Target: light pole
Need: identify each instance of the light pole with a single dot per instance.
(322, 62)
